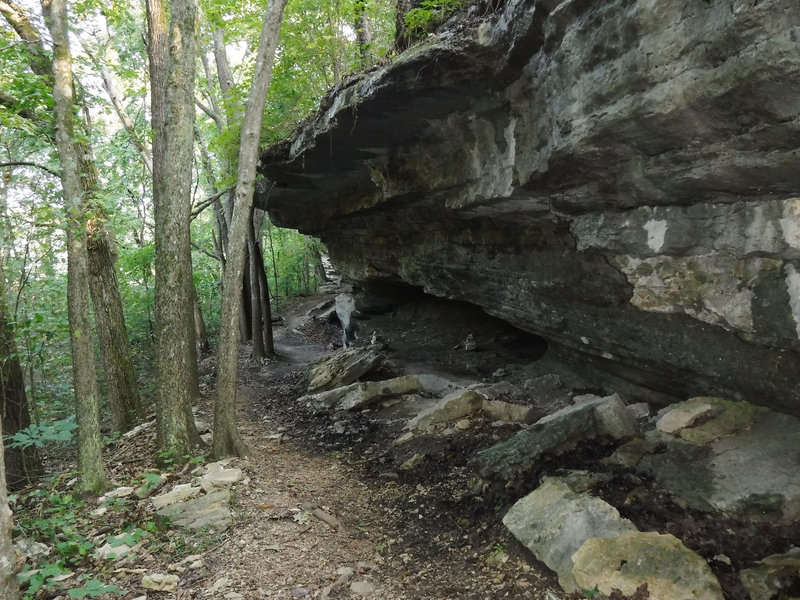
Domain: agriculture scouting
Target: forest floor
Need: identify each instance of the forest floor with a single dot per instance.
(329, 508)
(391, 534)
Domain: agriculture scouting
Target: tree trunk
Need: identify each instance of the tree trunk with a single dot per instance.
(123, 393)
(257, 324)
(91, 475)
(226, 437)
(172, 61)
(363, 33)
(200, 332)
(22, 465)
(9, 586)
(262, 273)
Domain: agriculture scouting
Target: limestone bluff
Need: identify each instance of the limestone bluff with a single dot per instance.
(620, 177)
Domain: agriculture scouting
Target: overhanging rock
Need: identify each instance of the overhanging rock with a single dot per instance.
(621, 177)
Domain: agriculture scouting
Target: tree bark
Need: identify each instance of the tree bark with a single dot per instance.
(123, 393)
(363, 33)
(257, 324)
(91, 474)
(226, 437)
(22, 464)
(172, 61)
(9, 586)
(268, 338)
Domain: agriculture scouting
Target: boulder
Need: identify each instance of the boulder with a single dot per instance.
(750, 474)
(556, 434)
(773, 574)
(554, 521)
(450, 408)
(342, 368)
(365, 394)
(625, 562)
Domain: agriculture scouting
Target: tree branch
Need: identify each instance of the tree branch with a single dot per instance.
(25, 163)
(211, 113)
(201, 206)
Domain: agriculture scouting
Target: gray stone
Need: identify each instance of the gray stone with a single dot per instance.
(217, 476)
(370, 392)
(362, 587)
(554, 521)
(160, 582)
(685, 414)
(497, 410)
(670, 570)
(613, 420)
(771, 575)
(554, 434)
(31, 549)
(433, 384)
(556, 173)
(109, 552)
(179, 493)
(453, 406)
(342, 368)
(750, 475)
(212, 510)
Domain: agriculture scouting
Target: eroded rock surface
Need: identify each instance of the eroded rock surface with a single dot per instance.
(619, 177)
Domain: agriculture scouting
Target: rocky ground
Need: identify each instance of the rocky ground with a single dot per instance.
(380, 502)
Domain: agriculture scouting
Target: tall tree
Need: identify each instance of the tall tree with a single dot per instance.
(171, 52)
(9, 587)
(22, 464)
(91, 474)
(123, 393)
(226, 437)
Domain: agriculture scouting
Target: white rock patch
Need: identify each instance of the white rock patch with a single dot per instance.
(793, 287)
(656, 230)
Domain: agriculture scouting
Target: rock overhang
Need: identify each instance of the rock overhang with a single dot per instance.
(621, 178)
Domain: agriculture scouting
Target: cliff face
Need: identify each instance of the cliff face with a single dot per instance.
(621, 177)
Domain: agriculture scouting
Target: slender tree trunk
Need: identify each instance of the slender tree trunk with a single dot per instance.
(200, 332)
(123, 393)
(363, 33)
(22, 465)
(226, 437)
(9, 586)
(257, 324)
(91, 474)
(172, 60)
(262, 273)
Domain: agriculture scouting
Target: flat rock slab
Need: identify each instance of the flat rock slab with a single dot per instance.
(560, 432)
(217, 476)
(365, 394)
(685, 414)
(771, 575)
(450, 408)
(751, 475)
(212, 510)
(160, 582)
(554, 521)
(670, 570)
(342, 368)
(177, 494)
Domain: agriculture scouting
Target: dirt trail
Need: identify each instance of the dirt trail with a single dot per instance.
(319, 523)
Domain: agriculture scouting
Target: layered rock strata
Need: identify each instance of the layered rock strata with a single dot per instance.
(620, 177)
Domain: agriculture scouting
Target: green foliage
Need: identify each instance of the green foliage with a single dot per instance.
(93, 587)
(430, 13)
(43, 434)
